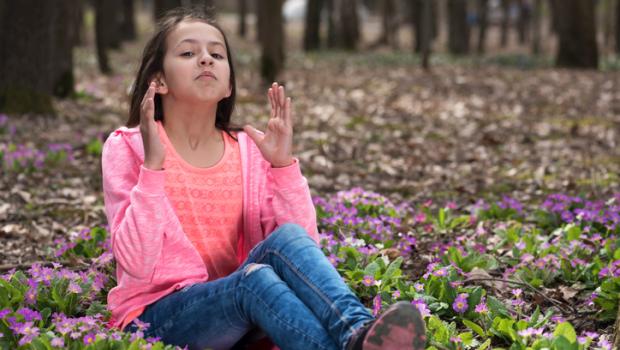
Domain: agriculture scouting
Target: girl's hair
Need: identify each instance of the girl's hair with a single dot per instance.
(153, 63)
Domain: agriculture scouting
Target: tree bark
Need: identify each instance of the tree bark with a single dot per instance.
(618, 27)
(482, 24)
(389, 24)
(505, 23)
(243, 11)
(104, 13)
(524, 23)
(577, 34)
(128, 23)
(458, 34)
(536, 26)
(349, 22)
(333, 30)
(427, 30)
(162, 6)
(271, 38)
(312, 29)
(32, 73)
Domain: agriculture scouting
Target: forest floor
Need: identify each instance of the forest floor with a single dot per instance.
(468, 129)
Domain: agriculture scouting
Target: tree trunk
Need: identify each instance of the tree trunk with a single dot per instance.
(76, 17)
(577, 34)
(271, 38)
(553, 5)
(162, 6)
(389, 24)
(536, 26)
(523, 25)
(334, 38)
(115, 22)
(208, 6)
(312, 29)
(505, 23)
(243, 11)
(458, 34)
(482, 24)
(104, 14)
(32, 73)
(618, 27)
(349, 22)
(128, 23)
(427, 29)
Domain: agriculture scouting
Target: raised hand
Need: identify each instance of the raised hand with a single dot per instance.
(154, 153)
(276, 144)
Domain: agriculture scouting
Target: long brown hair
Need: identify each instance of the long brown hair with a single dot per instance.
(153, 63)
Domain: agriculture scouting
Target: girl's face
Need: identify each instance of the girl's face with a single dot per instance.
(196, 67)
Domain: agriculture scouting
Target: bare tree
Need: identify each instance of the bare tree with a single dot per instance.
(458, 34)
(483, 10)
(31, 74)
(536, 26)
(128, 23)
(426, 33)
(312, 37)
(349, 22)
(618, 39)
(577, 34)
(243, 11)
(524, 22)
(271, 38)
(505, 22)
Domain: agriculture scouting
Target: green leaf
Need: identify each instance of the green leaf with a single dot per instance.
(474, 327)
(467, 338)
(371, 269)
(392, 268)
(572, 232)
(484, 345)
(566, 330)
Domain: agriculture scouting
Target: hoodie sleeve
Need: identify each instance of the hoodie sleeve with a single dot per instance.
(136, 206)
(288, 200)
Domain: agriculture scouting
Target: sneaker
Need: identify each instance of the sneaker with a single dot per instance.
(400, 327)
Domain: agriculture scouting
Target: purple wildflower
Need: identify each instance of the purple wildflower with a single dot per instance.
(58, 342)
(376, 305)
(368, 281)
(460, 303)
(89, 339)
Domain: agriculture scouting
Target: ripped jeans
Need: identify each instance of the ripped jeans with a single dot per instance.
(286, 287)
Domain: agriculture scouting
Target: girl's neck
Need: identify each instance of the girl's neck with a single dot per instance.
(191, 126)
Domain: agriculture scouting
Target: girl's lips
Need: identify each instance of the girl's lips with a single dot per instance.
(207, 75)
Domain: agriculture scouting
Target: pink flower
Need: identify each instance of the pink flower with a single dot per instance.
(368, 281)
(460, 303)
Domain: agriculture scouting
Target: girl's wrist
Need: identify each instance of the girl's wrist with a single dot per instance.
(282, 164)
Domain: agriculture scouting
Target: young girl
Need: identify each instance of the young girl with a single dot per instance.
(213, 228)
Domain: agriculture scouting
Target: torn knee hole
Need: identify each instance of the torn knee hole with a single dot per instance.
(253, 267)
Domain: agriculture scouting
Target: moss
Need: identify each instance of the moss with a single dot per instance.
(18, 100)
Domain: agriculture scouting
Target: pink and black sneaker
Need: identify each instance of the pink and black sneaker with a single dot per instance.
(400, 327)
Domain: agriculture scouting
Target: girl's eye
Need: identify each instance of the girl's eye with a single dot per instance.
(187, 54)
(217, 56)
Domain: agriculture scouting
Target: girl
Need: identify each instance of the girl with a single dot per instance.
(213, 228)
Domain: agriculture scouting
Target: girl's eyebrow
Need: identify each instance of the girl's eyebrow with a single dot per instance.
(194, 41)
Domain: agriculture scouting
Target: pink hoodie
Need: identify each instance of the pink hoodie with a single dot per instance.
(153, 255)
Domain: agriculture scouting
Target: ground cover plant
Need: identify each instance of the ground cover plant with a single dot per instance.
(496, 275)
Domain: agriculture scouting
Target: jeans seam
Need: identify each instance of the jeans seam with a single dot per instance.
(304, 278)
(267, 307)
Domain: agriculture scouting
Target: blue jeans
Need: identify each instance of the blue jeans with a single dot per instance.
(286, 287)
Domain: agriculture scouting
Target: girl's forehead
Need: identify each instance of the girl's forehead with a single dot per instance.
(194, 31)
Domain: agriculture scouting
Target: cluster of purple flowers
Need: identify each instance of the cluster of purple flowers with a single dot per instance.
(575, 209)
(25, 156)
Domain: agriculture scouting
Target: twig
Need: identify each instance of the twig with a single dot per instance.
(69, 263)
(525, 284)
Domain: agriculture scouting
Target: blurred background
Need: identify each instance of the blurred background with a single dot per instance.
(420, 99)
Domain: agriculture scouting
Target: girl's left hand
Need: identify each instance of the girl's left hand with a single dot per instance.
(276, 144)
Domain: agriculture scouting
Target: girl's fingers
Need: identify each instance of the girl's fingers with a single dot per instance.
(288, 120)
(272, 102)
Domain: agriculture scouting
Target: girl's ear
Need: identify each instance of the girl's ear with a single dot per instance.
(160, 82)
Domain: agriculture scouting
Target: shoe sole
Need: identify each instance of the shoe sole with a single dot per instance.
(400, 327)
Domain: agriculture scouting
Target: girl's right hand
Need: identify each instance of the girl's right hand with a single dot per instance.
(154, 153)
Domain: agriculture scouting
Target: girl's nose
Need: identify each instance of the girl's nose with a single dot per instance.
(206, 60)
